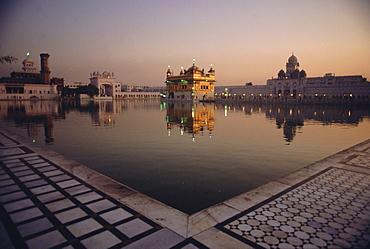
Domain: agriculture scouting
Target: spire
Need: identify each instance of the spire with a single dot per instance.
(169, 71)
(193, 62)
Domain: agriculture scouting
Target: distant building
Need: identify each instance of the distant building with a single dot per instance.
(192, 84)
(294, 83)
(29, 84)
(106, 83)
(133, 91)
(76, 84)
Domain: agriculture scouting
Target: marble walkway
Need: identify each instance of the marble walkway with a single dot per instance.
(49, 201)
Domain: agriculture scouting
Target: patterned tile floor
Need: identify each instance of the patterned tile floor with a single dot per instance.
(44, 206)
(329, 211)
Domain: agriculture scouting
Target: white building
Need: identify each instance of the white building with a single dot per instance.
(294, 83)
(76, 84)
(107, 85)
(143, 91)
(30, 84)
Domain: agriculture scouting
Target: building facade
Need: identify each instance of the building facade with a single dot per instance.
(107, 85)
(143, 91)
(192, 84)
(30, 84)
(294, 83)
(76, 84)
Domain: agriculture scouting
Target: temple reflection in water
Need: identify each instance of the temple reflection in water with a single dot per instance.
(195, 119)
(291, 118)
(192, 118)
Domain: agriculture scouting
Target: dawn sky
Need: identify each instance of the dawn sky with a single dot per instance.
(246, 41)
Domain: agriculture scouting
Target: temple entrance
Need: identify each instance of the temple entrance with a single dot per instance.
(106, 90)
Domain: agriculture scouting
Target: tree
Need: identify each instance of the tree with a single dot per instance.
(249, 84)
(92, 90)
(7, 59)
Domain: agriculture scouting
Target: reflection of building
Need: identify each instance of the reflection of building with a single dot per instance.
(106, 83)
(29, 84)
(295, 84)
(192, 118)
(291, 118)
(192, 84)
(288, 118)
(103, 114)
(33, 115)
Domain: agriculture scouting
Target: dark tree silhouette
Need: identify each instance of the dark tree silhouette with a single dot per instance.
(7, 59)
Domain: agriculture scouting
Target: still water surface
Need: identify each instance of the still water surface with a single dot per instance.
(189, 156)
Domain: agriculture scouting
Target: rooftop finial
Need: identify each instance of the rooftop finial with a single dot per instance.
(193, 62)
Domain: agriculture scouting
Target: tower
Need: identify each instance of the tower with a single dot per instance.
(29, 65)
(45, 68)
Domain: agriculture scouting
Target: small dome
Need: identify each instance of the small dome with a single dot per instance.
(27, 60)
(28, 65)
(169, 71)
(211, 70)
(182, 71)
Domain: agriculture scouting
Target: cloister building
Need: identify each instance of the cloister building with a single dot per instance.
(294, 83)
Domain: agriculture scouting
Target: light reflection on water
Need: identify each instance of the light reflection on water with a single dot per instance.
(189, 156)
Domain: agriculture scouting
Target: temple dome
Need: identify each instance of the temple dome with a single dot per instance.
(193, 67)
(292, 59)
